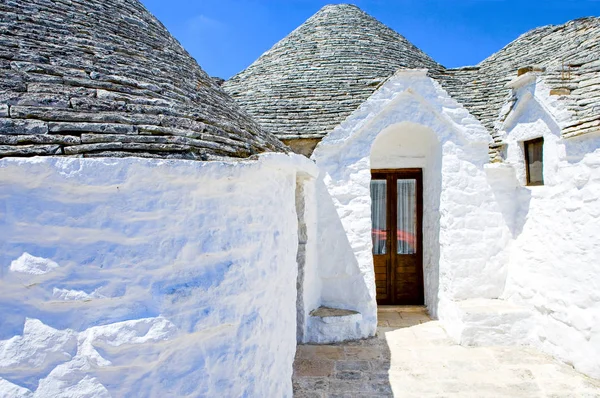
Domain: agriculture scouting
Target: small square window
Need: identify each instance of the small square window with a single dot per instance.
(534, 161)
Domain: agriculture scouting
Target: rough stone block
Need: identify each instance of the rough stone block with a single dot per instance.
(102, 128)
(352, 365)
(348, 375)
(52, 114)
(95, 104)
(41, 100)
(143, 147)
(313, 368)
(527, 69)
(560, 91)
(320, 351)
(12, 82)
(60, 89)
(29, 150)
(19, 126)
(39, 139)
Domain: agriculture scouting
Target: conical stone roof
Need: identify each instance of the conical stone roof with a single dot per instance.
(314, 78)
(105, 78)
(568, 55)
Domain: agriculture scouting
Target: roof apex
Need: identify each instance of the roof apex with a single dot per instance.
(311, 80)
(339, 5)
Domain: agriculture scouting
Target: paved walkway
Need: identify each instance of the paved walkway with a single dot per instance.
(412, 356)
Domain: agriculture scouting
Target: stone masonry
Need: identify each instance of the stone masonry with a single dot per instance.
(313, 79)
(105, 78)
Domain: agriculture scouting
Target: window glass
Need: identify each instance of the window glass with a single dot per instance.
(407, 216)
(534, 159)
(379, 215)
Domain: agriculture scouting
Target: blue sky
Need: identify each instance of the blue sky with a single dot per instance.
(226, 36)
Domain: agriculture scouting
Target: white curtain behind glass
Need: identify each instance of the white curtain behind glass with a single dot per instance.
(407, 217)
(378, 215)
(535, 157)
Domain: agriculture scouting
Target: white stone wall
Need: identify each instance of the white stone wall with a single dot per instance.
(133, 277)
(309, 283)
(555, 257)
(470, 259)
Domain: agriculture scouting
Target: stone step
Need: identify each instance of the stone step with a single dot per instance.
(420, 309)
(489, 322)
(332, 325)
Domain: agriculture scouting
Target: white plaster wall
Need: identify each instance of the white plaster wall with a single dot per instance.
(472, 228)
(309, 282)
(555, 258)
(134, 277)
(343, 283)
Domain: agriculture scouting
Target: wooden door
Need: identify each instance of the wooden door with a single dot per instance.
(397, 218)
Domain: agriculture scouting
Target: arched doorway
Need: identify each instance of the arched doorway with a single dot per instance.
(405, 194)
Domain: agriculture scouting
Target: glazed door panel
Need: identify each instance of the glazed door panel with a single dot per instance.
(381, 243)
(396, 197)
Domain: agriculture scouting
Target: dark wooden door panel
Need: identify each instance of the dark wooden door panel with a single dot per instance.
(398, 257)
(382, 278)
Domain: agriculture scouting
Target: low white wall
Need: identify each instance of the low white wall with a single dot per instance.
(472, 228)
(133, 277)
(555, 257)
(309, 282)
(343, 281)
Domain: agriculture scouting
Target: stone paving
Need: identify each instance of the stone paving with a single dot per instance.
(413, 356)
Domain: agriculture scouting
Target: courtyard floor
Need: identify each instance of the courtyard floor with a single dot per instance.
(412, 356)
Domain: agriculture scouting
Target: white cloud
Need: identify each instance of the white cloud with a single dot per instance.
(202, 23)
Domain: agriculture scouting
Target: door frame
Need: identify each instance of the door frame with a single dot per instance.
(392, 175)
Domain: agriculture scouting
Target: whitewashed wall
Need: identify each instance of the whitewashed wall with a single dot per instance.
(133, 277)
(309, 283)
(555, 257)
(472, 231)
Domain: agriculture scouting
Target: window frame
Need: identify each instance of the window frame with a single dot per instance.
(527, 163)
